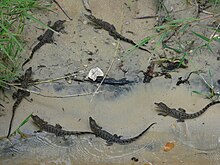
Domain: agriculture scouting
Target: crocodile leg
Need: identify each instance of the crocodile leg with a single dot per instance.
(182, 110)
(163, 113)
(180, 120)
(117, 136)
(109, 142)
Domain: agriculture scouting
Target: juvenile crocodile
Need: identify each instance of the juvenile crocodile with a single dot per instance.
(110, 138)
(20, 94)
(112, 81)
(111, 30)
(47, 37)
(180, 113)
(57, 129)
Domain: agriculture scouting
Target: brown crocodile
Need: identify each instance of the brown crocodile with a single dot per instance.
(57, 129)
(180, 113)
(110, 138)
(111, 30)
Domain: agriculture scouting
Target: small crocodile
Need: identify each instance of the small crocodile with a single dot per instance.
(57, 129)
(47, 37)
(20, 94)
(180, 113)
(110, 138)
(111, 30)
(112, 81)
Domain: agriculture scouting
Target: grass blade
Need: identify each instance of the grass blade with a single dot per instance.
(22, 123)
(201, 36)
(39, 22)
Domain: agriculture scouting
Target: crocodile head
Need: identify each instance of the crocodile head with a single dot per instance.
(38, 121)
(162, 107)
(58, 25)
(93, 125)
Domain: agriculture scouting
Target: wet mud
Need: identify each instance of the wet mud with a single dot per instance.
(123, 110)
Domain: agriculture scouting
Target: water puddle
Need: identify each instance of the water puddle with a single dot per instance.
(123, 110)
(127, 116)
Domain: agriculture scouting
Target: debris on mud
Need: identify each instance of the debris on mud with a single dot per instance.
(168, 146)
(94, 73)
(171, 63)
(186, 80)
(134, 159)
(62, 10)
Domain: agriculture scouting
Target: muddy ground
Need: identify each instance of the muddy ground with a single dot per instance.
(125, 110)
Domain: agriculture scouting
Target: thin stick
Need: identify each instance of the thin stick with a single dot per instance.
(106, 73)
(55, 79)
(213, 35)
(45, 81)
(65, 96)
(62, 9)
(51, 96)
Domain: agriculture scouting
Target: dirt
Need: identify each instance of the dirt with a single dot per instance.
(124, 110)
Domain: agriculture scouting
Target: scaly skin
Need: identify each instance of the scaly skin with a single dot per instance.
(111, 30)
(110, 138)
(180, 113)
(57, 129)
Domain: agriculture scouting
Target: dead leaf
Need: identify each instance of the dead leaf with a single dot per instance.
(169, 146)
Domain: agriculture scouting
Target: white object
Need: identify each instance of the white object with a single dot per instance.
(94, 73)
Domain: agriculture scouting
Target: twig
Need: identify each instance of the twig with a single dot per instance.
(44, 81)
(186, 80)
(65, 96)
(51, 96)
(106, 73)
(213, 35)
(146, 17)
(62, 9)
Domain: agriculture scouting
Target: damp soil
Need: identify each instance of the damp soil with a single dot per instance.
(125, 110)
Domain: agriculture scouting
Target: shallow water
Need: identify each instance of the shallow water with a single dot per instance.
(127, 116)
(123, 110)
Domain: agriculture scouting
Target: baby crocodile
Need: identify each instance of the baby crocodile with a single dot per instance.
(20, 94)
(111, 30)
(57, 129)
(110, 139)
(180, 113)
(47, 37)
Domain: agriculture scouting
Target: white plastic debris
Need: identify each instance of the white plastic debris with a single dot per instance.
(94, 73)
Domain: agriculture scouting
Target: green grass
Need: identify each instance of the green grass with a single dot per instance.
(216, 2)
(212, 93)
(18, 129)
(13, 16)
(185, 26)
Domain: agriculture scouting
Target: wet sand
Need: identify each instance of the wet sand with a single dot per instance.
(125, 110)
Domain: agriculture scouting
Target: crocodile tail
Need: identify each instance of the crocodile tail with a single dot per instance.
(83, 133)
(32, 53)
(194, 115)
(38, 46)
(77, 133)
(124, 141)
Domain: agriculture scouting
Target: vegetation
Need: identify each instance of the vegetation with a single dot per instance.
(212, 93)
(185, 26)
(14, 14)
(18, 129)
